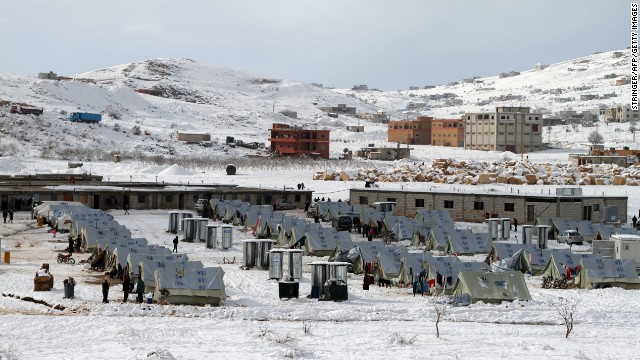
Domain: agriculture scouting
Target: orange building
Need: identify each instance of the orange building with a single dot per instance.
(295, 141)
(416, 131)
(447, 132)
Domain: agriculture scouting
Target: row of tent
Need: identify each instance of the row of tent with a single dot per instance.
(587, 229)
(171, 277)
(587, 270)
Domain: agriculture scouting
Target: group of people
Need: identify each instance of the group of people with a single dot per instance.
(369, 231)
(301, 186)
(127, 287)
(6, 213)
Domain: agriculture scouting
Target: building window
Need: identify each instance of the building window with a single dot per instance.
(509, 207)
(391, 199)
(168, 198)
(297, 198)
(419, 202)
(364, 200)
(195, 198)
(534, 128)
(142, 199)
(448, 204)
(478, 205)
(596, 207)
(247, 197)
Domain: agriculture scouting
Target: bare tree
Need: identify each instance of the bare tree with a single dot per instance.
(633, 127)
(442, 310)
(566, 309)
(595, 137)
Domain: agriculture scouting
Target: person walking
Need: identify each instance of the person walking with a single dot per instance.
(515, 224)
(175, 244)
(634, 219)
(370, 237)
(126, 209)
(4, 215)
(70, 245)
(11, 216)
(105, 289)
(140, 290)
(126, 286)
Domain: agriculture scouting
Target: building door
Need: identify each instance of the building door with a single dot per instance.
(67, 197)
(154, 201)
(511, 148)
(181, 201)
(531, 213)
(96, 201)
(586, 212)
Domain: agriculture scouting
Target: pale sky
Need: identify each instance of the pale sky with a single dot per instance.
(386, 44)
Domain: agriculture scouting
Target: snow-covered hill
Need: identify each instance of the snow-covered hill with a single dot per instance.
(209, 99)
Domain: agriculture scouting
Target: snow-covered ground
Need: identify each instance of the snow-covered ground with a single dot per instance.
(254, 323)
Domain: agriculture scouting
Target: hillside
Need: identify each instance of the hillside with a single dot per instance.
(202, 98)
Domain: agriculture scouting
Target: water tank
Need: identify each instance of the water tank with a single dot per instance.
(201, 229)
(263, 253)
(249, 253)
(338, 272)
(227, 236)
(276, 259)
(212, 236)
(527, 234)
(188, 229)
(295, 263)
(173, 222)
(542, 232)
(319, 274)
(181, 216)
(505, 228)
(493, 228)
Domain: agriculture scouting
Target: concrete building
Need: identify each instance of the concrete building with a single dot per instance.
(340, 109)
(416, 131)
(49, 76)
(513, 129)
(447, 132)
(620, 113)
(380, 117)
(475, 206)
(191, 138)
(289, 113)
(355, 128)
(582, 159)
(287, 140)
(384, 153)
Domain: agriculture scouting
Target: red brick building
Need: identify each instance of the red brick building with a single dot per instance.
(295, 141)
(416, 131)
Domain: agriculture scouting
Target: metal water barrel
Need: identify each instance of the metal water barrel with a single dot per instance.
(542, 231)
(527, 234)
(188, 229)
(173, 222)
(181, 216)
(212, 238)
(505, 228)
(263, 252)
(318, 277)
(338, 271)
(276, 260)
(493, 227)
(295, 263)
(227, 236)
(201, 229)
(249, 253)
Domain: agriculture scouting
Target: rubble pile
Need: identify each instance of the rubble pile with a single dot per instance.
(449, 171)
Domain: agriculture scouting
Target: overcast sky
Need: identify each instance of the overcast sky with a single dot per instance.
(388, 44)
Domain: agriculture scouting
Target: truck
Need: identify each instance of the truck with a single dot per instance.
(85, 117)
(26, 109)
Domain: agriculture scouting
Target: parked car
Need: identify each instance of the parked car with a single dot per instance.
(284, 205)
(570, 237)
(343, 222)
(200, 204)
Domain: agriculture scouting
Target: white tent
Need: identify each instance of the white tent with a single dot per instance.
(189, 284)
(599, 273)
(492, 287)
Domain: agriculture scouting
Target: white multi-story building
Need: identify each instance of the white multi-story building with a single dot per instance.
(514, 129)
(621, 113)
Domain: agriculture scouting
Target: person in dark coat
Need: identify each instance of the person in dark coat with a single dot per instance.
(11, 216)
(634, 219)
(126, 286)
(105, 290)
(370, 237)
(140, 290)
(4, 215)
(126, 209)
(306, 206)
(78, 243)
(515, 224)
(175, 244)
(70, 245)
